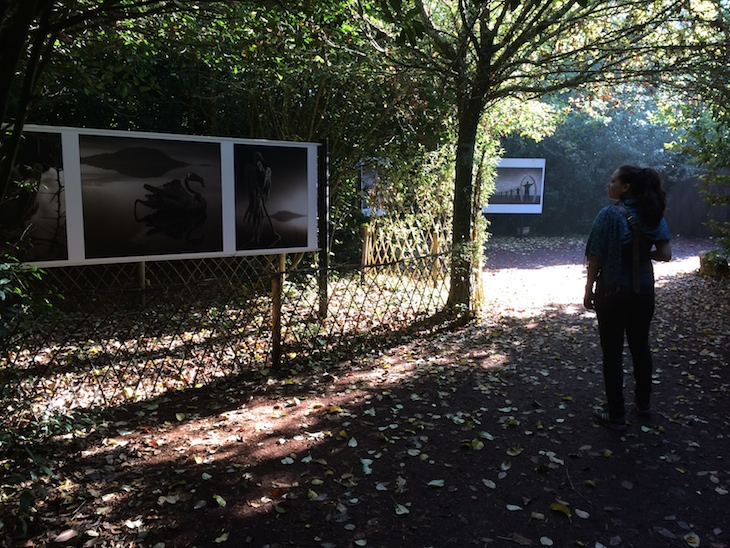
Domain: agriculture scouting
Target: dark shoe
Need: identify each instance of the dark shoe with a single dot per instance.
(602, 417)
(644, 412)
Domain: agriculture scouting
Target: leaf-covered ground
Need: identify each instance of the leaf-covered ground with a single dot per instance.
(472, 436)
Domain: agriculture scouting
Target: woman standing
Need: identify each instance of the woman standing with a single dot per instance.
(625, 237)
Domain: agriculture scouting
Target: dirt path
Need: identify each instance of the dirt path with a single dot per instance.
(522, 276)
(473, 436)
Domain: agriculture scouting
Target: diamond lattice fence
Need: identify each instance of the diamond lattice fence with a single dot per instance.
(133, 331)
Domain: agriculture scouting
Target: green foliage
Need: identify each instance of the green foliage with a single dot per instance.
(34, 33)
(703, 118)
(594, 138)
(704, 138)
(508, 49)
(714, 264)
(310, 73)
(246, 70)
(22, 301)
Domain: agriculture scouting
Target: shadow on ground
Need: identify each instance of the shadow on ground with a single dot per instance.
(471, 436)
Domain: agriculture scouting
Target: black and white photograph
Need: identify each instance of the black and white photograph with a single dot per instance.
(518, 186)
(272, 197)
(33, 215)
(146, 196)
(371, 188)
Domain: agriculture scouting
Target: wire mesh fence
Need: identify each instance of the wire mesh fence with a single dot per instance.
(129, 332)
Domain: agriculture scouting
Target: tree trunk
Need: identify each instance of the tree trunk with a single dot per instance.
(17, 38)
(14, 30)
(460, 294)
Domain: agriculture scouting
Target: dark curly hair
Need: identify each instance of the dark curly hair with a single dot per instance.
(646, 187)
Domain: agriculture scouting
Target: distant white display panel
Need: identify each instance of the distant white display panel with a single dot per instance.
(102, 196)
(519, 186)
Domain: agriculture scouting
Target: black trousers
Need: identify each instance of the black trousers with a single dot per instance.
(625, 313)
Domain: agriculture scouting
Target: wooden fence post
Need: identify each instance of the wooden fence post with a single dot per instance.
(142, 282)
(277, 289)
(141, 275)
(367, 244)
(434, 251)
(323, 206)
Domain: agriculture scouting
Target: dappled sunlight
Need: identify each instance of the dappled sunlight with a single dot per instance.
(232, 443)
(365, 448)
(675, 267)
(174, 447)
(522, 293)
(531, 285)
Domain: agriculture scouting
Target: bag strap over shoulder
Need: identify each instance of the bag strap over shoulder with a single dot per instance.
(636, 236)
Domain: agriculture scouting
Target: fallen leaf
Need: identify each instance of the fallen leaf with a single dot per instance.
(401, 510)
(65, 536)
(562, 508)
(279, 491)
(519, 539)
(169, 499)
(666, 533)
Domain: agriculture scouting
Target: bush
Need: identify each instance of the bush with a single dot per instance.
(20, 302)
(714, 264)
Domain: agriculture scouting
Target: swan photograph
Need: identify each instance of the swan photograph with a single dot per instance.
(145, 197)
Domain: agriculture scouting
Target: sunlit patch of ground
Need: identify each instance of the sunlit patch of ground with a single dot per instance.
(516, 283)
(414, 443)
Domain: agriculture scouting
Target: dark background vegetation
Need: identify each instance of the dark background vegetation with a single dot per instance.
(269, 71)
(582, 154)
